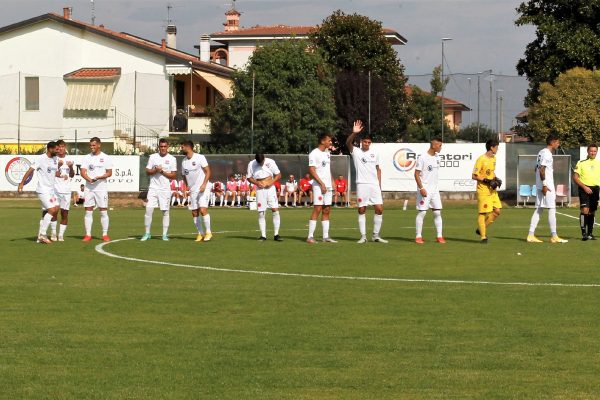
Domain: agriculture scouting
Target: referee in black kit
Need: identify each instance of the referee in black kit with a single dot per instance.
(587, 178)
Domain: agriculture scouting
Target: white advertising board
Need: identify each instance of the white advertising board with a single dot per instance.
(398, 160)
(125, 177)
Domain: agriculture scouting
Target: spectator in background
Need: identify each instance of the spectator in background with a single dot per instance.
(79, 196)
(217, 190)
(341, 188)
(175, 196)
(280, 195)
(184, 192)
(231, 190)
(291, 189)
(244, 190)
(305, 189)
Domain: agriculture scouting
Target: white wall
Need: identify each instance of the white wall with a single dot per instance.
(50, 50)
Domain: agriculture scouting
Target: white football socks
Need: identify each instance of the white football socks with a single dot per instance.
(552, 221)
(276, 222)
(61, 230)
(87, 222)
(148, 219)
(437, 221)
(312, 225)
(362, 224)
(535, 219)
(377, 221)
(419, 223)
(104, 222)
(165, 222)
(262, 224)
(44, 224)
(325, 225)
(206, 220)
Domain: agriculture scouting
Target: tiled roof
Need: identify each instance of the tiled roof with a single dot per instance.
(92, 73)
(450, 103)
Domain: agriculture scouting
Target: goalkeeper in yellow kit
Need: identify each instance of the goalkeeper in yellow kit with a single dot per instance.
(488, 202)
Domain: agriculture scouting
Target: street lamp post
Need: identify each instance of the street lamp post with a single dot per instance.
(443, 85)
(497, 112)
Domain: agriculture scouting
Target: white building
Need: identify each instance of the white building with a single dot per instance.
(234, 46)
(59, 76)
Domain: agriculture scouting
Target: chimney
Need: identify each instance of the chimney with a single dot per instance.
(172, 36)
(232, 22)
(205, 48)
(163, 45)
(67, 12)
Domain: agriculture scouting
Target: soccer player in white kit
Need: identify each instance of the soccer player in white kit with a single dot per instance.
(62, 188)
(263, 172)
(546, 192)
(428, 192)
(161, 168)
(45, 166)
(368, 183)
(319, 168)
(196, 174)
(96, 168)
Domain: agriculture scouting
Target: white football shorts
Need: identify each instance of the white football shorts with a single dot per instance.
(266, 198)
(64, 200)
(546, 201)
(368, 194)
(159, 199)
(96, 199)
(320, 199)
(199, 200)
(432, 200)
(48, 200)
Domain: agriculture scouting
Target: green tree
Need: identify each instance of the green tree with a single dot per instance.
(567, 36)
(356, 44)
(293, 101)
(470, 133)
(437, 85)
(570, 108)
(425, 112)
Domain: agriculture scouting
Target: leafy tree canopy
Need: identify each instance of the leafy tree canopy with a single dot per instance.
(570, 107)
(293, 102)
(567, 36)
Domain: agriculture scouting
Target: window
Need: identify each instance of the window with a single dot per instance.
(32, 93)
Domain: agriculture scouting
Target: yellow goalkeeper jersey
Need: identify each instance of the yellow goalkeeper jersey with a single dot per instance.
(485, 167)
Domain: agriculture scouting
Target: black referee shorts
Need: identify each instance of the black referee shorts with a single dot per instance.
(589, 200)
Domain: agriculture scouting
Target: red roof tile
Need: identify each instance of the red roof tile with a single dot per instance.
(447, 101)
(94, 73)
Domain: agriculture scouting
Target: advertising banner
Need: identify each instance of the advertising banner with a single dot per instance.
(125, 177)
(457, 160)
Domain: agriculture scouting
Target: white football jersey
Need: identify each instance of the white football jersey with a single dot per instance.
(365, 163)
(257, 171)
(321, 160)
(96, 165)
(62, 183)
(158, 181)
(291, 186)
(545, 159)
(45, 168)
(191, 168)
(429, 165)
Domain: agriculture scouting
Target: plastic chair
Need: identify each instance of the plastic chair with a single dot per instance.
(561, 191)
(525, 192)
(533, 191)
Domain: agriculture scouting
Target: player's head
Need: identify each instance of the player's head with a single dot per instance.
(95, 145)
(51, 148)
(260, 158)
(436, 144)
(187, 146)
(232, 177)
(325, 140)
(307, 176)
(163, 147)
(492, 145)
(82, 187)
(340, 177)
(365, 142)
(291, 178)
(61, 147)
(553, 141)
(592, 150)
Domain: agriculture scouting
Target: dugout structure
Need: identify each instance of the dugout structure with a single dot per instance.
(562, 178)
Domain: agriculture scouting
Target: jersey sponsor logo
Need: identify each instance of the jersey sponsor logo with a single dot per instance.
(430, 168)
(15, 170)
(364, 160)
(405, 159)
(186, 171)
(323, 164)
(193, 163)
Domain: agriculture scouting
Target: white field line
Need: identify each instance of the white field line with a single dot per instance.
(100, 249)
(570, 216)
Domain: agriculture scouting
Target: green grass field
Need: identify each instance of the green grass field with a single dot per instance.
(76, 324)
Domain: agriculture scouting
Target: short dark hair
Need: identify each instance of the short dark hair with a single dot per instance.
(259, 157)
(188, 143)
(162, 140)
(491, 143)
(324, 135)
(60, 142)
(51, 145)
(437, 139)
(96, 139)
(367, 136)
(592, 145)
(551, 138)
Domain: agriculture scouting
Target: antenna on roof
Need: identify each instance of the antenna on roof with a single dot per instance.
(169, 7)
(93, 12)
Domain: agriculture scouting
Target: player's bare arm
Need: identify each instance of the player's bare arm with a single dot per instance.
(169, 175)
(313, 173)
(420, 187)
(378, 175)
(581, 184)
(206, 178)
(356, 129)
(25, 178)
(545, 189)
(85, 176)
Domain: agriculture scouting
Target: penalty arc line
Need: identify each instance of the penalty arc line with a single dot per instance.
(100, 249)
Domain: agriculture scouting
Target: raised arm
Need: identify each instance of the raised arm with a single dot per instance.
(356, 129)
